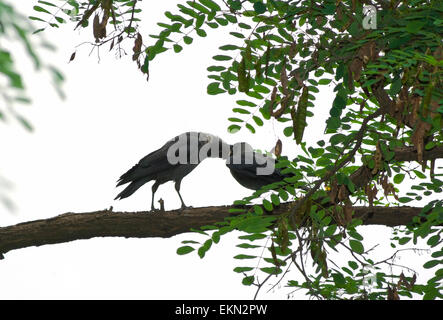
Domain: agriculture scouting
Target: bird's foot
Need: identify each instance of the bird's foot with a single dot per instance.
(183, 207)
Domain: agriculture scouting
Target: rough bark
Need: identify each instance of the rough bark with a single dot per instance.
(410, 154)
(75, 226)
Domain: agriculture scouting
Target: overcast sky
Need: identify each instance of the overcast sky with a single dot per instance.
(111, 118)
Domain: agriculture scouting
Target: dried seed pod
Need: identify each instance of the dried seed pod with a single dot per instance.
(278, 148)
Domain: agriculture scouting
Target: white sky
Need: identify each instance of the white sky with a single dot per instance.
(111, 118)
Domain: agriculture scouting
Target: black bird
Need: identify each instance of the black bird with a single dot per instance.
(251, 169)
(172, 162)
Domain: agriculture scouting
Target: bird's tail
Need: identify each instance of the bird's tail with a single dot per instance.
(131, 188)
(127, 176)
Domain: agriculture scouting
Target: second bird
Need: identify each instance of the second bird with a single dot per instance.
(251, 169)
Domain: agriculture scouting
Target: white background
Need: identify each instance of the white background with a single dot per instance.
(111, 118)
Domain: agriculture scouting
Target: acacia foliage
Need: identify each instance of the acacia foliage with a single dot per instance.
(16, 34)
(388, 97)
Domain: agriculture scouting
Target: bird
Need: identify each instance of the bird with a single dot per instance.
(172, 162)
(251, 169)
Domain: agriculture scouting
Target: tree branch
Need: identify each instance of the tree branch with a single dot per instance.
(410, 154)
(75, 226)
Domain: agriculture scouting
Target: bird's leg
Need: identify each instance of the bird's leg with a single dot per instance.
(154, 189)
(177, 188)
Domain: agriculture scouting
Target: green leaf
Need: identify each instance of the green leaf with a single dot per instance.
(324, 81)
(190, 241)
(288, 131)
(404, 240)
(434, 240)
(275, 199)
(259, 7)
(234, 4)
(235, 120)
(353, 265)
(398, 178)
(24, 122)
(395, 86)
(246, 103)
(247, 281)
(201, 32)
(36, 19)
(257, 120)
(229, 47)
(405, 199)
(339, 102)
(231, 18)
(244, 256)
(330, 230)
(60, 20)
(356, 246)
(337, 138)
(216, 68)
(262, 89)
(233, 128)
(199, 21)
(240, 110)
(177, 48)
(242, 269)
(221, 58)
(244, 25)
(187, 39)
(237, 35)
(253, 237)
(419, 174)
(38, 30)
(430, 264)
(267, 205)
(215, 237)
(271, 270)
(221, 21)
(250, 128)
(40, 9)
(414, 26)
(210, 4)
(247, 246)
(339, 280)
(185, 250)
(213, 88)
(258, 210)
(283, 195)
(204, 248)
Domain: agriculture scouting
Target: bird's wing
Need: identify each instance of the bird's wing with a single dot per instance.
(157, 156)
(160, 157)
(156, 161)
